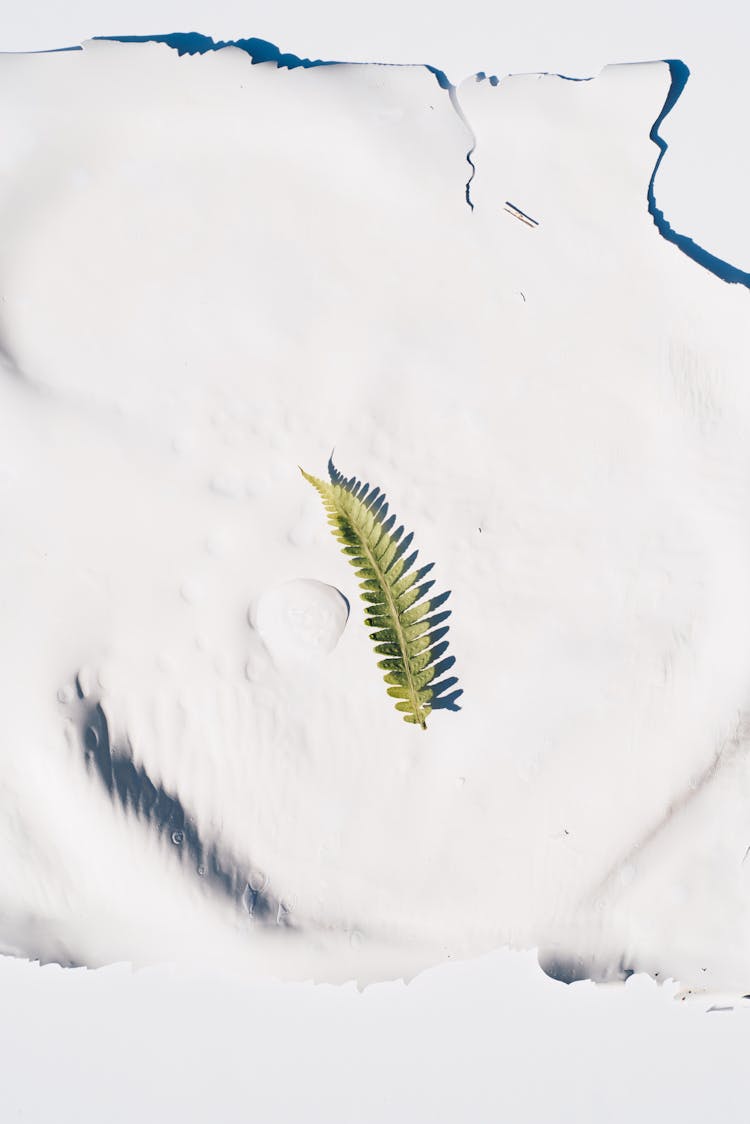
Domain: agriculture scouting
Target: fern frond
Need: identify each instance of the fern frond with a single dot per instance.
(397, 605)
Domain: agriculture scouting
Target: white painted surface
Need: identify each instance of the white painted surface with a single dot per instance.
(300, 620)
(638, 477)
(558, 412)
(702, 186)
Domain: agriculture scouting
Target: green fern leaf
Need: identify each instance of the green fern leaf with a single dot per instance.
(395, 595)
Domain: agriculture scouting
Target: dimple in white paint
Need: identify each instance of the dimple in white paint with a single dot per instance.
(300, 620)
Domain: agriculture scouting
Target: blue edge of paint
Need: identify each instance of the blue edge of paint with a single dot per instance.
(679, 74)
(260, 50)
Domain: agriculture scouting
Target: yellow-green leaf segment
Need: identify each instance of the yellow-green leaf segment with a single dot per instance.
(394, 592)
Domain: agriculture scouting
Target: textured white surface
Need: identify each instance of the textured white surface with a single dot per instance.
(213, 271)
(485, 1037)
(702, 187)
(300, 620)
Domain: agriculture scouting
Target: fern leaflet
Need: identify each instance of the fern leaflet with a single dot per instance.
(394, 591)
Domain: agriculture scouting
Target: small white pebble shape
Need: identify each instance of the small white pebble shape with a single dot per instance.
(300, 619)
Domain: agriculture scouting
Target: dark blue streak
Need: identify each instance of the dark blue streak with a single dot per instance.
(445, 83)
(193, 43)
(722, 269)
(442, 78)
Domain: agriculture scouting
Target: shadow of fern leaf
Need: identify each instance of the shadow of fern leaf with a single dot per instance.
(436, 652)
(440, 668)
(438, 618)
(447, 702)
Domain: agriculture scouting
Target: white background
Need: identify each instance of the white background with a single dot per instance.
(490, 1040)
